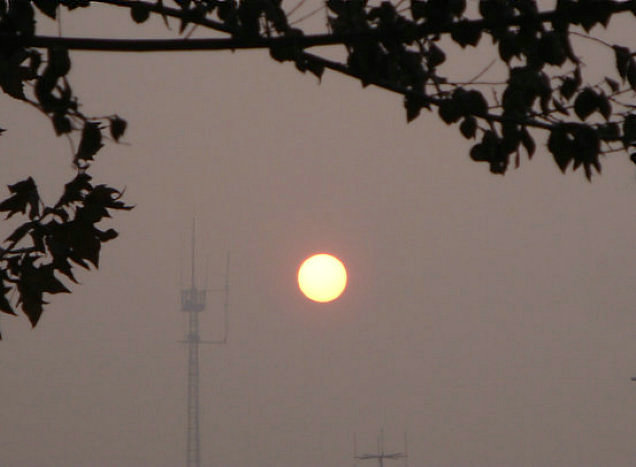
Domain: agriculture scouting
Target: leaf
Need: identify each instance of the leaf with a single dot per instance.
(117, 127)
(51, 284)
(586, 103)
(551, 49)
(629, 130)
(61, 124)
(609, 131)
(75, 190)
(570, 85)
(413, 108)
(604, 106)
(623, 58)
(5, 306)
(473, 103)
(19, 233)
(612, 84)
(586, 148)
(25, 195)
(560, 145)
(107, 235)
(449, 111)
(528, 142)
(30, 291)
(435, 56)
(10, 80)
(139, 13)
(466, 34)
(559, 107)
(316, 68)
(631, 74)
(468, 127)
(90, 143)
(48, 7)
(508, 46)
(59, 63)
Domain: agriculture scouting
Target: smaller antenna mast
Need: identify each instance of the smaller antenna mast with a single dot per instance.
(380, 456)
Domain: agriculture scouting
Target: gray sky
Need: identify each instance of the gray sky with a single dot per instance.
(491, 318)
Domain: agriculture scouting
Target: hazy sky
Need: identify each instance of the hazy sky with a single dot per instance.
(491, 318)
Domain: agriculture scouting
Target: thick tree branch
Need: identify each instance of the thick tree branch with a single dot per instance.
(165, 45)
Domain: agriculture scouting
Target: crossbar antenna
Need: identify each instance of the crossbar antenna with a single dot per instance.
(380, 455)
(193, 301)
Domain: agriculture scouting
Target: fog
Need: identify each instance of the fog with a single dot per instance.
(489, 318)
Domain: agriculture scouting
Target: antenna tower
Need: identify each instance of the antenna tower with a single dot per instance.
(193, 302)
(380, 456)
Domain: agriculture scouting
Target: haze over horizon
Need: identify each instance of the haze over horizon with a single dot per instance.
(490, 318)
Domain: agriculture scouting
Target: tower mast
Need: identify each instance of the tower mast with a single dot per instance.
(193, 302)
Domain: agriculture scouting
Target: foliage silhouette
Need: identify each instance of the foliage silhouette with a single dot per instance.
(401, 46)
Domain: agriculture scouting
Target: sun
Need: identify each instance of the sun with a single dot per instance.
(322, 277)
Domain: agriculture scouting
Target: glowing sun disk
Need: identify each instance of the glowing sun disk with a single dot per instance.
(322, 277)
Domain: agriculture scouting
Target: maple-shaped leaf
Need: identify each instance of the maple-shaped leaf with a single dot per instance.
(25, 195)
(75, 190)
(30, 292)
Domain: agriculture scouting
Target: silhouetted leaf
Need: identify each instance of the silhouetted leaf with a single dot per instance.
(528, 142)
(90, 143)
(586, 103)
(466, 34)
(10, 80)
(468, 127)
(48, 7)
(560, 145)
(59, 63)
(586, 148)
(435, 56)
(508, 46)
(604, 106)
(623, 58)
(75, 190)
(629, 130)
(5, 306)
(107, 235)
(139, 13)
(551, 50)
(612, 84)
(413, 108)
(316, 68)
(570, 85)
(117, 127)
(631, 74)
(473, 103)
(609, 131)
(61, 124)
(19, 233)
(25, 194)
(559, 107)
(30, 291)
(450, 111)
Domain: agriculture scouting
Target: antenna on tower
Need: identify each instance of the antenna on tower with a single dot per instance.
(193, 301)
(380, 455)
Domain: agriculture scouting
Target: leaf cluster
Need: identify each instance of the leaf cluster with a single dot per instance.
(42, 251)
(53, 239)
(545, 97)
